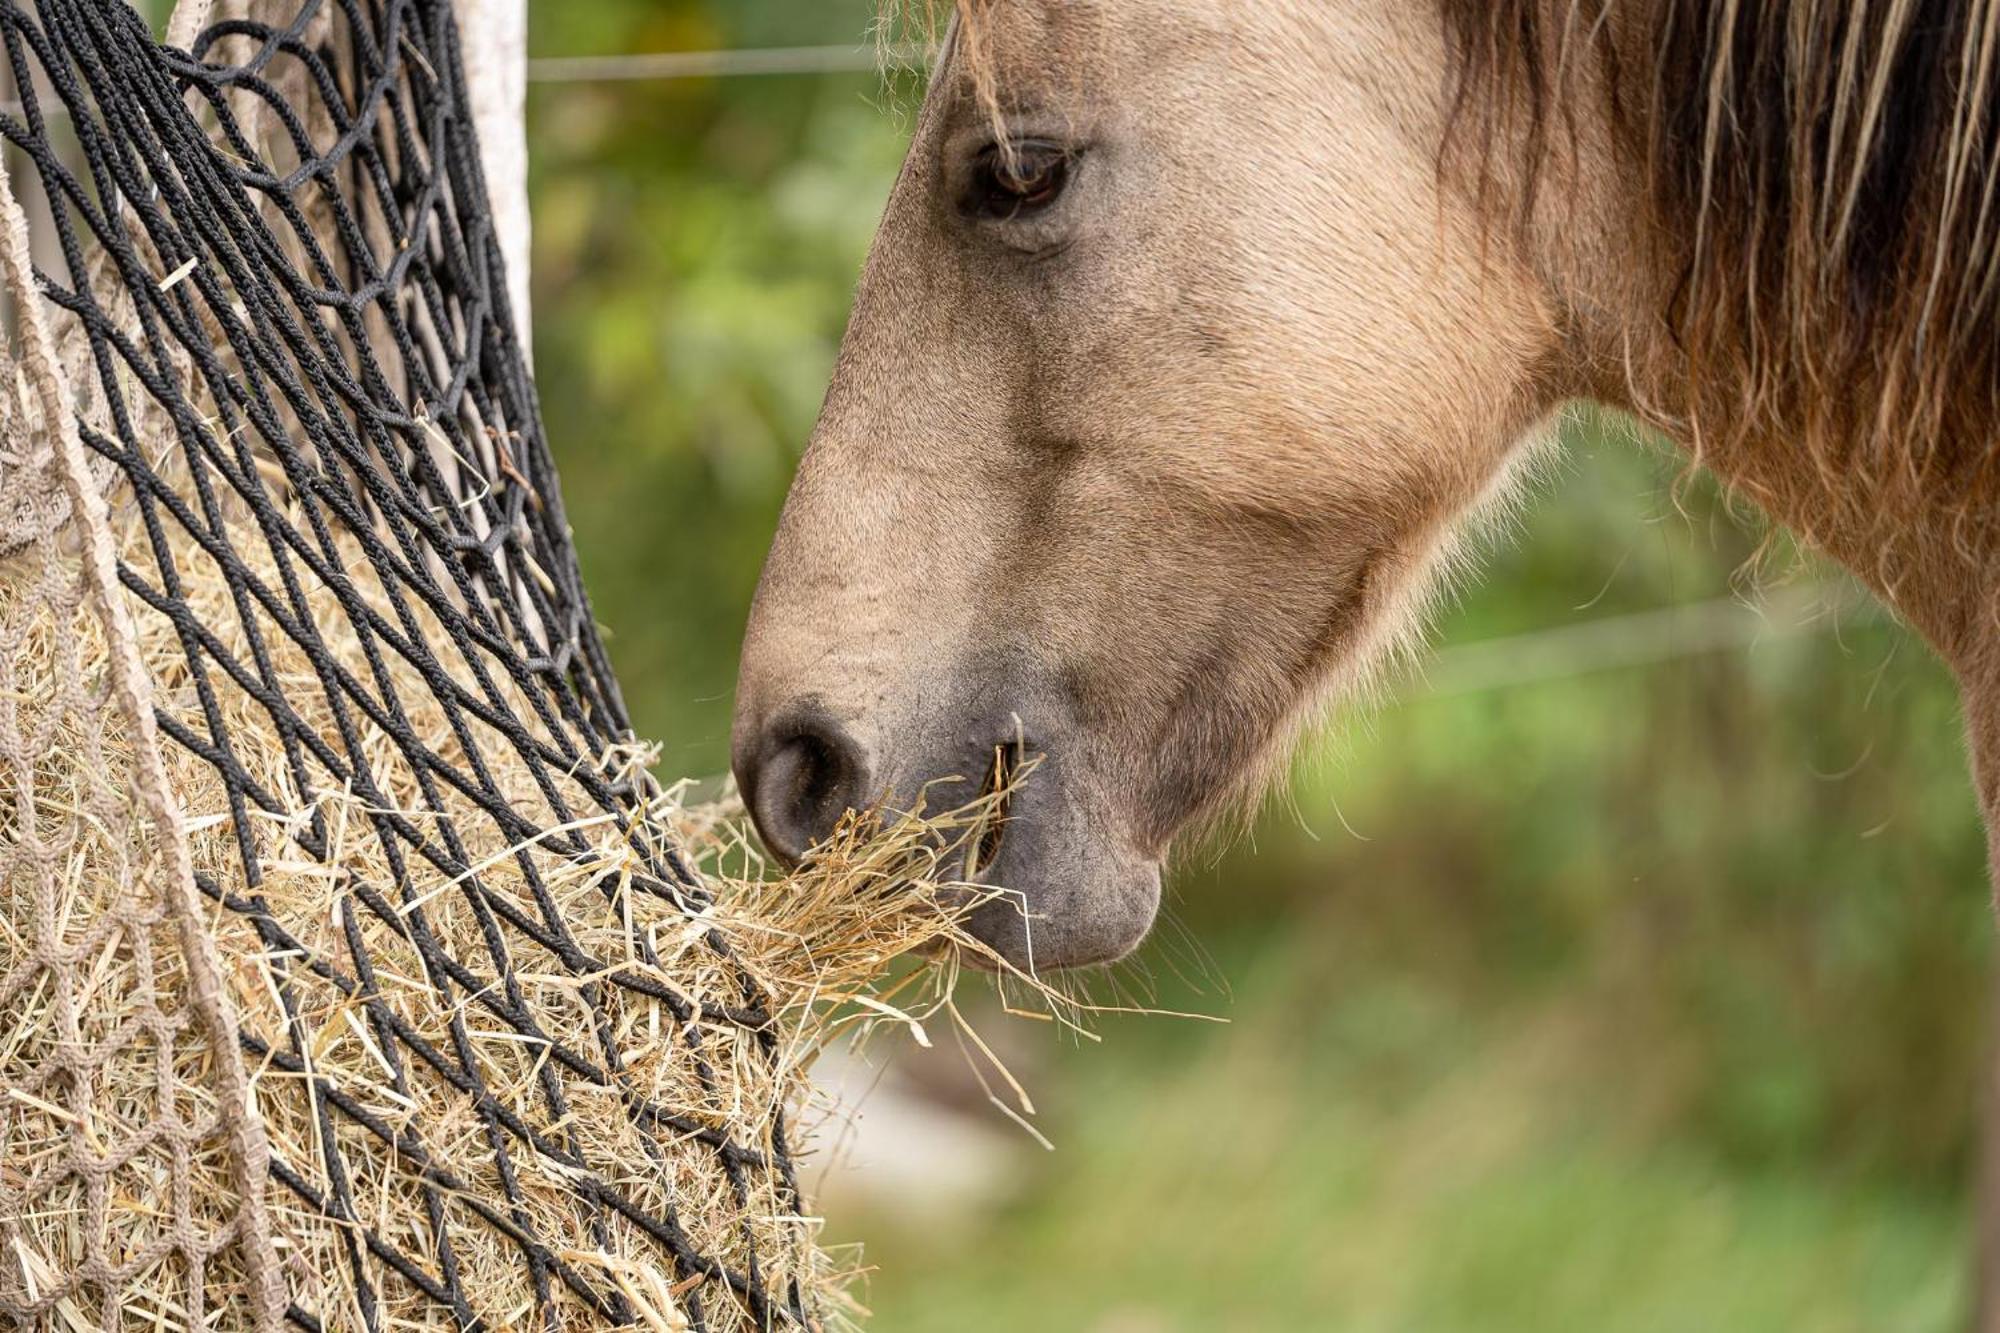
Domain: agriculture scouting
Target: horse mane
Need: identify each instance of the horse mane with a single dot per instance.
(1826, 177)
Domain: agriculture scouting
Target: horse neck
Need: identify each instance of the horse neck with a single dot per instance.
(1622, 292)
(1934, 564)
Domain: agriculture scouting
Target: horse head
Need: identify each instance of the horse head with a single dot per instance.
(1171, 375)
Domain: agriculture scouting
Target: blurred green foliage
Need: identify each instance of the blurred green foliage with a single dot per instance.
(696, 243)
(1649, 997)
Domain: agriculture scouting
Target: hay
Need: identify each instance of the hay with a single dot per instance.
(814, 945)
(353, 968)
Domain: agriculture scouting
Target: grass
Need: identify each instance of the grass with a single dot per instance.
(1410, 1163)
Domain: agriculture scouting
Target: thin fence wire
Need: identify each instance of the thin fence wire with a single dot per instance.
(1652, 637)
(725, 63)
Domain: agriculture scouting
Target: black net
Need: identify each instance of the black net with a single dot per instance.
(287, 332)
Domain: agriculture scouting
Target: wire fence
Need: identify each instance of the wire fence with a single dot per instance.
(712, 63)
(726, 63)
(1644, 638)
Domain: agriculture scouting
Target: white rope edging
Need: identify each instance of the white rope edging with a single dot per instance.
(132, 689)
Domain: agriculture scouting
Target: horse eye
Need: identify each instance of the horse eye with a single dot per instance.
(1007, 185)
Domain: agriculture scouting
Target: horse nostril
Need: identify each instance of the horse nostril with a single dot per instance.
(808, 774)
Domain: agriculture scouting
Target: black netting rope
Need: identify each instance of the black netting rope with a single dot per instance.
(316, 340)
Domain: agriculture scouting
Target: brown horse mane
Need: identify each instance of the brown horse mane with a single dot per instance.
(1826, 175)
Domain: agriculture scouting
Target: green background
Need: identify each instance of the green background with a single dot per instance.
(1635, 995)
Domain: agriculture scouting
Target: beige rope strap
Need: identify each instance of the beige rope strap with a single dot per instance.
(131, 693)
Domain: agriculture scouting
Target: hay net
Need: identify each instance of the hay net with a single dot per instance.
(348, 974)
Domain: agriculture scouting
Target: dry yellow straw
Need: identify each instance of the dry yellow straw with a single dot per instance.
(816, 945)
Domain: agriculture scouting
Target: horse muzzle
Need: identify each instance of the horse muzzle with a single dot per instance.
(1061, 888)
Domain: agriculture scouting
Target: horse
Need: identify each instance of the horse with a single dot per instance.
(1197, 334)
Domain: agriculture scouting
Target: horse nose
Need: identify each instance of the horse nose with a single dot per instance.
(799, 778)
